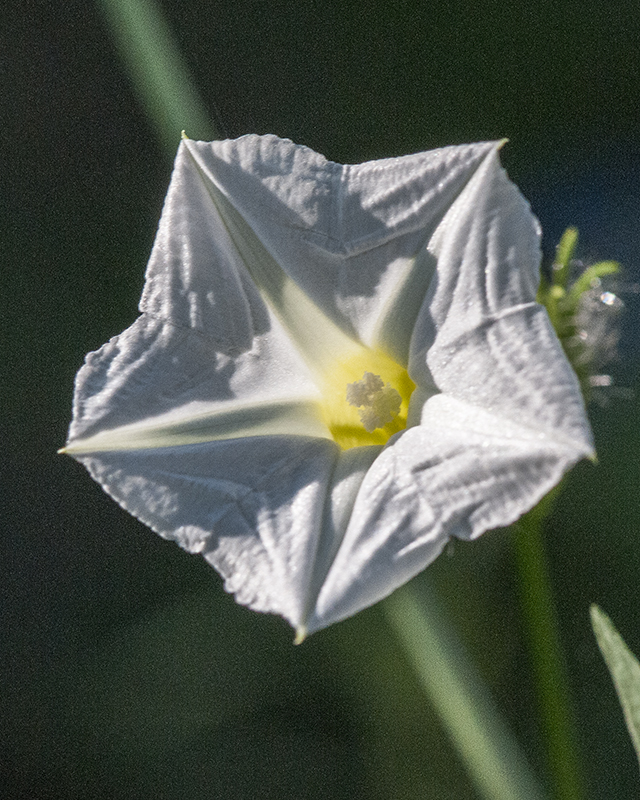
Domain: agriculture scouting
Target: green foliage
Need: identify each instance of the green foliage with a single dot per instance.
(563, 299)
(624, 669)
(159, 72)
(537, 607)
(486, 747)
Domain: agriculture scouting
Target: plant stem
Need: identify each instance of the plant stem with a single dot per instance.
(487, 748)
(157, 70)
(549, 669)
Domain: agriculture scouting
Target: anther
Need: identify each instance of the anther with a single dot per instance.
(378, 403)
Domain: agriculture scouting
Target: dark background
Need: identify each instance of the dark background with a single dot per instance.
(126, 670)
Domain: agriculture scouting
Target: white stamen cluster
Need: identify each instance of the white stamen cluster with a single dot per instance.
(378, 404)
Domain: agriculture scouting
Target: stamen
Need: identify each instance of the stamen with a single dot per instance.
(378, 404)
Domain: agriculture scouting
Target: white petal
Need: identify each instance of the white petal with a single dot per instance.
(156, 383)
(460, 473)
(318, 339)
(480, 336)
(195, 277)
(252, 507)
(206, 344)
(268, 513)
(498, 411)
(347, 235)
(350, 471)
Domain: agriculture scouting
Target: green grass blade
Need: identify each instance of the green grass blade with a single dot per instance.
(157, 70)
(624, 669)
(488, 750)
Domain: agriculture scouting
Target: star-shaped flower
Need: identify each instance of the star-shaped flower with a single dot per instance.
(337, 368)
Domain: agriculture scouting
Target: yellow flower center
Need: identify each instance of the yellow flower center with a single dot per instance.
(365, 399)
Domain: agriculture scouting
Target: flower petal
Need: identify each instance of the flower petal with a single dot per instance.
(205, 345)
(195, 276)
(269, 513)
(252, 507)
(269, 259)
(348, 236)
(318, 339)
(498, 412)
(157, 385)
(463, 471)
(480, 336)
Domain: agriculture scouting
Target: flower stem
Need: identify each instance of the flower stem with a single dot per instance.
(549, 670)
(157, 70)
(487, 748)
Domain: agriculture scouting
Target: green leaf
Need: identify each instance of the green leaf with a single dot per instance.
(624, 669)
(564, 254)
(590, 276)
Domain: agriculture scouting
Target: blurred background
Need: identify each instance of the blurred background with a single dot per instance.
(126, 670)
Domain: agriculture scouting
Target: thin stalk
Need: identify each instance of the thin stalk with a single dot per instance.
(157, 71)
(552, 688)
(466, 709)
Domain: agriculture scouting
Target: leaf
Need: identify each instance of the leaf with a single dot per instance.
(624, 669)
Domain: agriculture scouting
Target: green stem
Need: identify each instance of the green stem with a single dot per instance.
(157, 70)
(487, 748)
(549, 670)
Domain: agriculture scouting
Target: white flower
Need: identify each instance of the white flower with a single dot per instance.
(337, 368)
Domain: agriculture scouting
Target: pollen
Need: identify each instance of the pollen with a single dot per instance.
(366, 398)
(378, 404)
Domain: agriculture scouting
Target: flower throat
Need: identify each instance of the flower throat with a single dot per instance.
(366, 399)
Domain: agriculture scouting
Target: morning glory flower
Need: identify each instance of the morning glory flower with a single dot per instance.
(336, 370)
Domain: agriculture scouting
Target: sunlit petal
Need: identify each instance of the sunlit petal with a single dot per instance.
(156, 380)
(460, 473)
(252, 507)
(481, 337)
(348, 236)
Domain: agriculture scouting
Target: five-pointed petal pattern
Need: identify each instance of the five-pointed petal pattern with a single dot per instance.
(215, 418)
